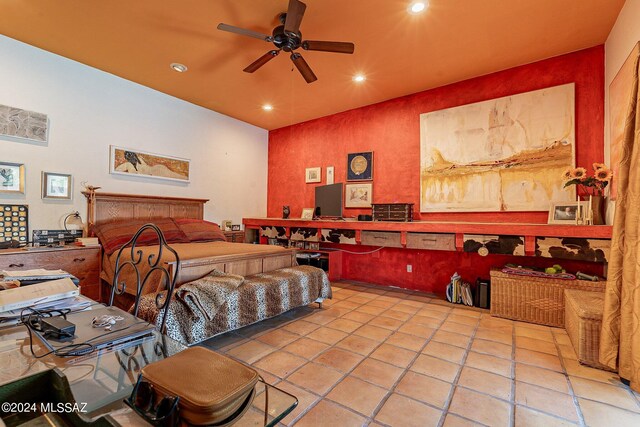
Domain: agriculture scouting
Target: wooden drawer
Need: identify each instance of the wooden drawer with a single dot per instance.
(234, 236)
(389, 239)
(431, 241)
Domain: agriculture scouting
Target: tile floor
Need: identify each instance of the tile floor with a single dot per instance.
(382, 356)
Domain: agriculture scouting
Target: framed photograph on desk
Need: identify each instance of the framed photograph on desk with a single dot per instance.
(307, 213)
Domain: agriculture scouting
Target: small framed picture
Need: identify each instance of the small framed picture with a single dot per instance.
(307, 213)
(313, 175)
(235, 227)
(360, 166)
(564, 212)
(56, 185)
(11, 178)
(358, 195)
(225, 225)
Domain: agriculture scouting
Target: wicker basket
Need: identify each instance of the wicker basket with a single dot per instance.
(533, 299)
(583, 321)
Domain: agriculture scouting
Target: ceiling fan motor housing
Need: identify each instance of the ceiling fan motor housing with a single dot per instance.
(284, 41)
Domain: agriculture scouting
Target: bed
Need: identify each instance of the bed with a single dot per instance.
(197, 259)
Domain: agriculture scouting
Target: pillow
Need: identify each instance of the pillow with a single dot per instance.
(113, 235)
(199, 230)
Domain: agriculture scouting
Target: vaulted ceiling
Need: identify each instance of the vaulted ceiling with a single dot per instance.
(399, 53)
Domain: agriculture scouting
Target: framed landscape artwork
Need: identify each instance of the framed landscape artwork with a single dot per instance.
(11, 178)
(619, 99)
(125, 161)
(505, 154)
(313, 175)
(360, 166)
(358, 195)
(56, 185)
(23, 124)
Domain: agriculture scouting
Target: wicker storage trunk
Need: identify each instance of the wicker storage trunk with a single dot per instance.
(583, 321)
(533, 299)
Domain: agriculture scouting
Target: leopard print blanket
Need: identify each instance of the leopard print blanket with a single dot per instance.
(222, 302)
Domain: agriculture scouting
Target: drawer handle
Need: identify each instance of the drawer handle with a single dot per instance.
(16, 265)
(78, 259)
(429, 240)
(380, 237)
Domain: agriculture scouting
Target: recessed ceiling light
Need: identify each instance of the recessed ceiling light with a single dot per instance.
(180, 68)
(359, 78)
(267, 107)
(418, 6)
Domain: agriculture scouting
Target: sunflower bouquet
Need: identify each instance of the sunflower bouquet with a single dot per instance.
(590, 184)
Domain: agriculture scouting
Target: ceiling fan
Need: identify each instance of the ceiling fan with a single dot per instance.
(288, 37)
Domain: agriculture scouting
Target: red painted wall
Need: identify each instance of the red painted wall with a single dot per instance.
(391, 130)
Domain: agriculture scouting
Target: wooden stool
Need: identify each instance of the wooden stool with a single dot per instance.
(583, 321)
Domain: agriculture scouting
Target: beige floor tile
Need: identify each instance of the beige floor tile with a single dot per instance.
(347, 304)
(327, 335)
(463, 319)
(301, 327)
(306, 347)
(493, 348)
(436, 368)
(486, 382)
(456, 421)
(381, 303)
(368, 309)
(337, 310)
(394, 355)
(358, 395)
(386, 322)
(305, 400)
(251, 351)
(489, 363)
(444, 351)
(468, 311)
(402, 411)
(545, 400)
(481, 408)
(452, 338)
(597, 414)
(398, 315)
(427, 389)
(405, 308)
(423, 299)
(280, 363)
(359, 299)
(407, 341)
(542, 377)
(376, 372)
(539, 334)
(562, 339)
(390, 296)
(435, 315)
(542, 360)
(494, 335)
(315, 378)
(411, 301)
(278, 338)
(357, 344)
(527, 417)
(438, 307)
(320, 318)
(417, 330)
(344, 325)
(425, 321)
(339, 359)
(548, 347)
(359, 317)
(496, 323)
(328, 414)
(605, 393)
(457, 328)
(373, 332)
(576, 369)
(567, 352)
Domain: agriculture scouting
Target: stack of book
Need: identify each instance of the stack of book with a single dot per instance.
(458, 291)
(87, 241)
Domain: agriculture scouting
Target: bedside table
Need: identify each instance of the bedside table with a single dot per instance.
(82, 262)
(234, 236)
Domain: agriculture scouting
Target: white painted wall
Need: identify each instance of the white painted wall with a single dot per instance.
(89, 109)
(623, 37)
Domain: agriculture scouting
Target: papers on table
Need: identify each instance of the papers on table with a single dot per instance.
(35, 274)
(76, 303)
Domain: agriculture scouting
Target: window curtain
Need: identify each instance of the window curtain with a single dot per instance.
(620, 337)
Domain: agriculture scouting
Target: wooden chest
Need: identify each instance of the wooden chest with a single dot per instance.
(392, 211)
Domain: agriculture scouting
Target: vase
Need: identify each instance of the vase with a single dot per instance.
(598, 207)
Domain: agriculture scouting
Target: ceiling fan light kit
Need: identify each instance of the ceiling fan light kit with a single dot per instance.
(288, 37)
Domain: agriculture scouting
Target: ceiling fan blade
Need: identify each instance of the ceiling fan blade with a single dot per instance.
(244, 32)
(261, 61)
(303, 67)
(338, 47)
(295, 12)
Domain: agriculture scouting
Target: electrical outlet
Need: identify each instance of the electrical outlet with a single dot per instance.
(409, 268)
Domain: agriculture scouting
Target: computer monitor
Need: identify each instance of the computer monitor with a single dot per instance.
(329, 200)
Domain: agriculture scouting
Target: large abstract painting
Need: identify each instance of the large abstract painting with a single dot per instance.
(506, 154)
(125, 161)
(619, 99)
(23, 124)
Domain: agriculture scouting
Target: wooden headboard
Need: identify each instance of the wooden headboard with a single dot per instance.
(103, 207)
